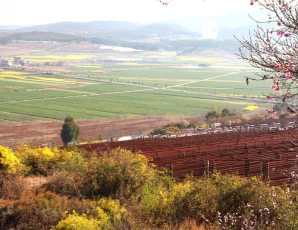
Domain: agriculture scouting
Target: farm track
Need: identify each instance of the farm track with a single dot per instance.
(98, 80)
(204, 79)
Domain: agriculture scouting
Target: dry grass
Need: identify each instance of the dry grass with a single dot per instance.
(188, 224)
(35, 182)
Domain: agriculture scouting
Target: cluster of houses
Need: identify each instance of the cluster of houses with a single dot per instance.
(17, 61)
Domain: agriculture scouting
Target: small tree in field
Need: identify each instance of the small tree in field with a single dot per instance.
(70, 131)
(275, 50)
(184, 124)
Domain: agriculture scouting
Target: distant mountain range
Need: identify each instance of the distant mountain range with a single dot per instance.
(86, 29)
(41, 36)
(216, 27)
(110, 29)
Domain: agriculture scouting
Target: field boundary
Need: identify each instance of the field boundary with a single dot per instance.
(203, 79)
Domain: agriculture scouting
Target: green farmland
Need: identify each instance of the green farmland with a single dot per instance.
(125, 90)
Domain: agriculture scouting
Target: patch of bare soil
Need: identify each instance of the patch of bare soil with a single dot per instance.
(5, 90)
(15, 49)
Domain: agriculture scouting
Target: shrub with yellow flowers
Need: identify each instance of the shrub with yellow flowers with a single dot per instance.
(114, 172)
(75, 221)
(106, 213)
(40, 160)
(8, 161)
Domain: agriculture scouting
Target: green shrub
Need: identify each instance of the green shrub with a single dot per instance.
(204, 197)
(115, 171)
(217, 114)
(257, 117)
(184, 124)
(196, 123)
(170, 129)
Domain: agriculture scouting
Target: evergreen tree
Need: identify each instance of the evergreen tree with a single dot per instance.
(70, 131)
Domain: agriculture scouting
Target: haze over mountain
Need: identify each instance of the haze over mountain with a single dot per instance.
(87, 29)
(123, 30)
(208, 27)
(13, 27)
(221, 27)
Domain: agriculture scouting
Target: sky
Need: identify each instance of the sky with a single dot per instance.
(36, 12)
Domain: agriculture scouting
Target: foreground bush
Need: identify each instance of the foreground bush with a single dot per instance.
(36, 210)
(12, 186)
(114, 172)
(213, 200)
(43, 210)
(121, 190)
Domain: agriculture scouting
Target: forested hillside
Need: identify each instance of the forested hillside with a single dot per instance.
(41, 36)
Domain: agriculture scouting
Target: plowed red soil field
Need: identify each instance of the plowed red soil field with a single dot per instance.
(13, 134)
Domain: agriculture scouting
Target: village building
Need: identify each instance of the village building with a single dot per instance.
(5, 62)
(18, 61)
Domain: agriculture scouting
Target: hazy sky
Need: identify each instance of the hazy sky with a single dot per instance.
(34, 12)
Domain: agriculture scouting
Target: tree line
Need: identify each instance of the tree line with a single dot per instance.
(41, 36)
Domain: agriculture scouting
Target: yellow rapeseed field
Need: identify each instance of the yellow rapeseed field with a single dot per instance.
(250, 108)
(52, 58)
(13, 73)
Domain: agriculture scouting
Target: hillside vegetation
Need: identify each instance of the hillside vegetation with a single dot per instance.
(224, 117)
(50, 188)
(41, 36)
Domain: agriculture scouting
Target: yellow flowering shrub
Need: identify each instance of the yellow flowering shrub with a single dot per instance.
(111, 207)
(40, 160)
(105, 213)
(8, 161)
(114, 171)
(75, 221)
